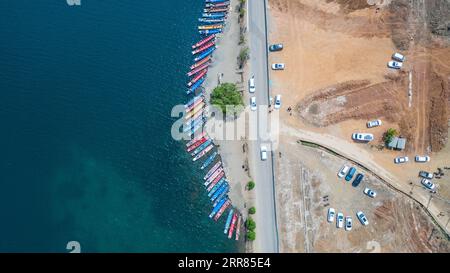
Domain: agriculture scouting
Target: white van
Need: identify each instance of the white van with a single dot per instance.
(251, 85)
(398, 57)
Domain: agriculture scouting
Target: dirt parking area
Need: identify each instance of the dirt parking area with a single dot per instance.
(308, 185)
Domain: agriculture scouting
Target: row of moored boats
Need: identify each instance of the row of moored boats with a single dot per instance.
(201, 145)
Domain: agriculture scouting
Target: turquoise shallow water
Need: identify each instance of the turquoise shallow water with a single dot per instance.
(86, 152)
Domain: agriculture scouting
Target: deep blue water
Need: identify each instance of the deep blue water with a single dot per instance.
(85, 146)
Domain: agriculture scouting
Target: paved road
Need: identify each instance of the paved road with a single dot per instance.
(266, 231)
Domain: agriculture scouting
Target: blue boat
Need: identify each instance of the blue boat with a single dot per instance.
(217, 186)
(215, 1)
(196, 86)
(224, 194)
(217, 207)
(219, 191)
(193, 122)
(214, 15)
(194, 100)
(209, 161)
(201, 147)
(205, 54)
(199, 121)
(209, 31)
(211, 20)
(228, 222)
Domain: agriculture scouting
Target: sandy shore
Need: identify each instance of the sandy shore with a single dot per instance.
(225, 64)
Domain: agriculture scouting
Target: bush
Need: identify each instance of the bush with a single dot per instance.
(251, 235)
(250, 185)
(226, 94)
(252, 210)
(389, 135)
(244, 55)
(250, 224)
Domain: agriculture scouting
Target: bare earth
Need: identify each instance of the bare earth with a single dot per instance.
(335, 80)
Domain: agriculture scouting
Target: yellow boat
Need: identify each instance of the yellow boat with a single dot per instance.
(207, 27)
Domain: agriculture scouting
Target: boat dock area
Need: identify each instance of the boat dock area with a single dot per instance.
(211, 24)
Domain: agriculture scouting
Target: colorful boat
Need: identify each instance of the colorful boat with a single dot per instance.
(194, 110)
(205, 54)
(201, 62)
(198, 77)
(195, 86)
(222, 209)
(216, 186)
(214, 15)
(216, 178)
(211, 20)
(238, 227)
(213, 176)
(223, 195)
(215, 1)
(196, 144)
(223, 188)
(215, 10)
(228, 222)
(194, 100)
(209, 161)
(201, 147)
(209, 31)
(201, 113)
(220, 4)
(196, 128)
(193, 105)
(216, 181)
(203, 48)
(197, 69)
(209, 27)
(218, 207)
(233, 225)
(205, 151)
(204, 41)
(212, 170)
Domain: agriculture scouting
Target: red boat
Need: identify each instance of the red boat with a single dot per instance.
(238, 228)
(233, 224)
(206, 46)
(198, 69)
(204, 41)
(199, 63)
(212, 10)
(198, 77)
(216, 180)
(196, 139)
(196, 144)
(222, 209)
(188, 109)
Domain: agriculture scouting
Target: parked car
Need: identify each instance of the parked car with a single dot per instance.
(331, 214)
(340, 220)
(253, 103)
(277, 102)
(343, 171)
(370, 192)
(276, 47)
(358, 179)
(348, 223)
(362, 218)
(401, 159)
(251, 85)
(362, 137)
(373, 123)
(427, 183)
(350, 174)
(425, 174)
(278, 66)
(422, 159)
(263, 152)
(398, 57)
(395, 65)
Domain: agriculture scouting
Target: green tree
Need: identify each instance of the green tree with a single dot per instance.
(225, 95)
(250, 185)
(251, 235)
(252, 210)
(244, 55)
(251, 225)
(389, 135)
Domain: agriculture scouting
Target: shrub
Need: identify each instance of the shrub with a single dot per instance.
(251, 235)
(250, 185)
(252, 210)
(251, 225)
(389, 135)
(226, 94)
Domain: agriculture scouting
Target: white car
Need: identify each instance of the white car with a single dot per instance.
(343, 171)
(253, 103)
(263, 152)
(425, 174)
(362, 218)
(362, 137)
(424, 158)
(348, 223)
(370, 192)
(427, 183)
(398, 57)
(251, 85)
(373, 123)
(395, 65)
(278, 66)
(401, 159)
(340, 220)
(277, 102)
(331, 214)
